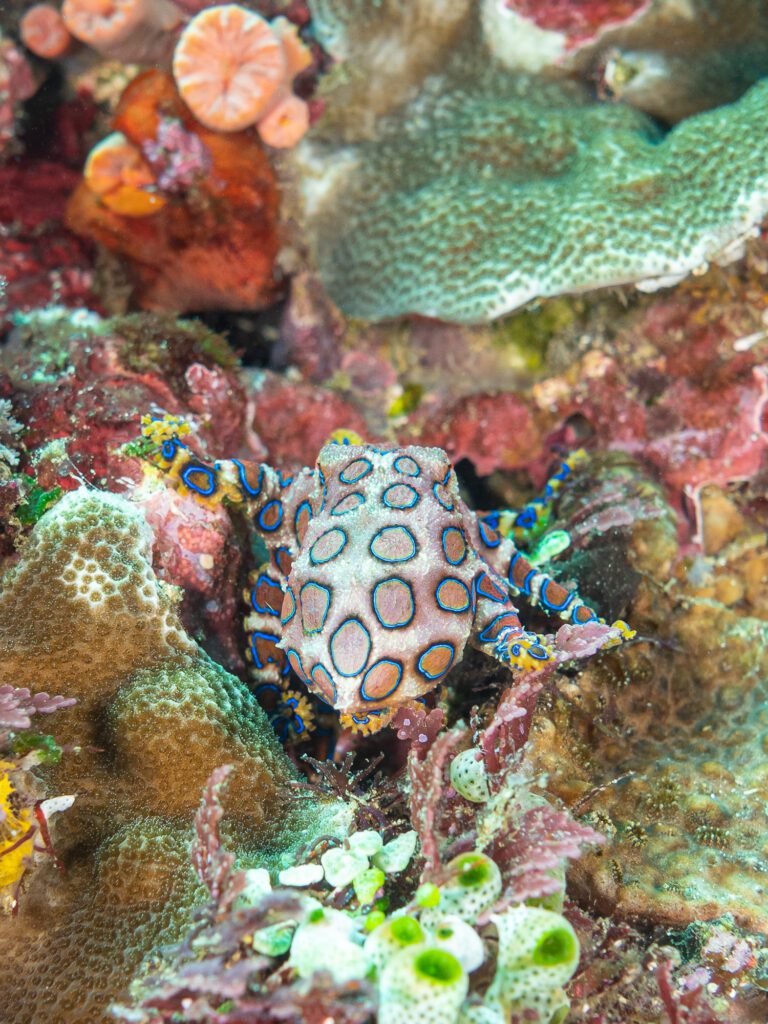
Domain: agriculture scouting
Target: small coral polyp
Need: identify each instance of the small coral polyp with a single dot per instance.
(228, 65)
(233, 69)
(44, 33)
(378, 576)
(119, 175)
(126, 30)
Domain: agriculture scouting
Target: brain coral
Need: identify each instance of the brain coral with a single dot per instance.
(490, 190)
(83, 612)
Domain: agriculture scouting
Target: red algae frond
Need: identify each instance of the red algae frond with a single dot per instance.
(229, 66)
(119, 175)
(285, 124)
(44, 33)
(128, 30)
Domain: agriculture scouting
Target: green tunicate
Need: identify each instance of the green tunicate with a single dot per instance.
(473, 871)
(407, 930)
(555, 947)
(428, 895)
(367, 884)
(438, 966)
(550, 547)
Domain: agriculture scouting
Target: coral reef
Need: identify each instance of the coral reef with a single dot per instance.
(40, 261)
(373, 541)
(154, 716)
(477, 309)
(209, 241)
(663, 751)
(17, 84)
(631, 207)
(667, 58)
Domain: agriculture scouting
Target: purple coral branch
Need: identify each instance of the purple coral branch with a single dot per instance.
(17, 705)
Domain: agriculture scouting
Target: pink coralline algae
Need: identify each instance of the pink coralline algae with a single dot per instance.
(179, 158)
(578, 20)
(41, 262)
(378, 574)
(17, 84)
(77, 422)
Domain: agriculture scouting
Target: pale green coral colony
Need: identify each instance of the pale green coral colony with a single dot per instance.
(490, 190)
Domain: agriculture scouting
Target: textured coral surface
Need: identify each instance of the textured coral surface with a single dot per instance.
(83, 611)
(468, 221)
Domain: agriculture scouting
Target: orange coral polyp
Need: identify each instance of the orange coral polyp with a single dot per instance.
(44, 33)
(119, 175)
(106, 24)
(297, 54)
(285, 124)
(229, 66)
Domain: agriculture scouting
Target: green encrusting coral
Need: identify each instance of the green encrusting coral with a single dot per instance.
(83, 613)
(490, 190)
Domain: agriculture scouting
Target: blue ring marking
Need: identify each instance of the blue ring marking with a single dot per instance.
(485, 636)
(447, 477)
(263, 578)
(407, 471)
(287, 619)
(551, 604)
(517, 649)
(366, 718)
(446, 503)
(383, 696)
(414, 496)
(447, 608)
(323, 488)
(321, 561)
(298, 721)
(348, 675)
(190, 469)
(404, 558)
(355, 494)
(526, 518)
(262, 514)
(592, 615)
(525, 586)
(304, 505)
(397, 625)
(454, 529)
(277, 557)
(170, 448)
(327, 593)
(284, 481)
(272, 687)
(366, 469)
(428, 675)
(511, 570)
(253, 492)
(294, 659)
(328, 680)
(489, 595)
(485, 537)
(255, 635)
